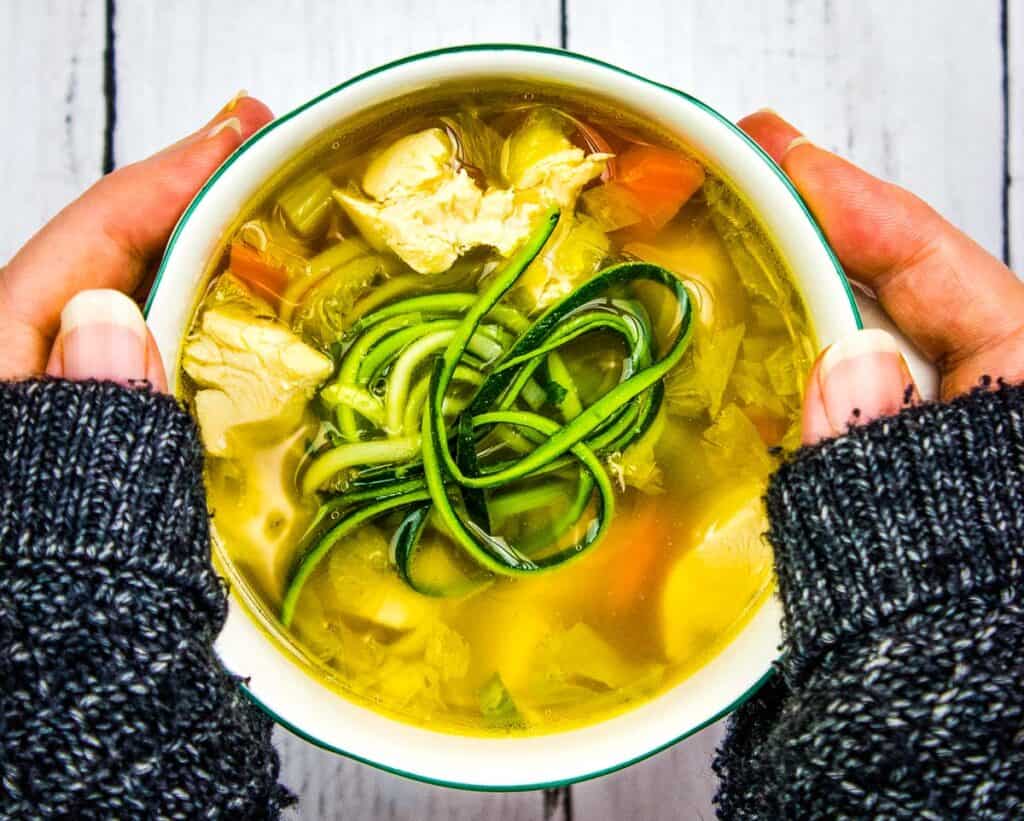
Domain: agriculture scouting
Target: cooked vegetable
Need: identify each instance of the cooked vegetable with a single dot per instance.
(660, 179)
(407, 336)
(471, 456)
(497, 705)
(249, 265)
(699, 383)
(477, 146)
(647, 539)
(307, 205)
(650, 185)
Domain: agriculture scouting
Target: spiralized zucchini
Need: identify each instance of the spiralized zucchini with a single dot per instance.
(411, 443)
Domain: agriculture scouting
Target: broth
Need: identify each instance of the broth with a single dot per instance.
(403, 204)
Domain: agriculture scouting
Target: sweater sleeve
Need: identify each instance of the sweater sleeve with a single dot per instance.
(112, 702)
(899, 552)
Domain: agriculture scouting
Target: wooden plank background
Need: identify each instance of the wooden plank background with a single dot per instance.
(929, 93)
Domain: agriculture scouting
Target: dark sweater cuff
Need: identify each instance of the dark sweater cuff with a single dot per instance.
(95, 477)
(896, 516)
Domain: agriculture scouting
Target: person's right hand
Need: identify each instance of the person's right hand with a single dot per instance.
(961, 306)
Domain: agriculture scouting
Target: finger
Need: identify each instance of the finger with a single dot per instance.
(103, 336)
(952, 298)
(858, 379)
(112, 233)
(771, 132)
(155, 374)
(814, 423)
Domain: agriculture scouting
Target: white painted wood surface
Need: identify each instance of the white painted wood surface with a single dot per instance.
(178, 63)
(909, 89)
(1015, 133)
(51, 99)
(912, 89)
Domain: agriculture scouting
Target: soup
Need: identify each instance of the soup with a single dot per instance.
(490, 382)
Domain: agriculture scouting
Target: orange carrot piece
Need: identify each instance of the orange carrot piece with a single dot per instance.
(660, 180)
(643, 536)
(248, 264)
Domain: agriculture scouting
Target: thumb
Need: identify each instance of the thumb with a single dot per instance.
(858, 379)
(103, 336)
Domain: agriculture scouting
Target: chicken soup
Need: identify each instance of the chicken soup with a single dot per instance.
(490, 385)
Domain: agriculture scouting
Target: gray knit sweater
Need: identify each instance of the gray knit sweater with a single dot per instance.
(899, 553)
(112, 703)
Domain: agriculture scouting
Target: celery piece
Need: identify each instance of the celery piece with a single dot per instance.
(319, 266)
(768, 318)
(759, 347)
(477, 145)
(719, 358)
(735, 448)
(447, 652)
(750, 253)
(637, 466)
(229, 291)
(575, 252)
(497, 706)
(700, 384)
(752, 387)
(541, 134)
(334, 256)
(612, 205)
(787, 368)
(324, 311)
(306, 205)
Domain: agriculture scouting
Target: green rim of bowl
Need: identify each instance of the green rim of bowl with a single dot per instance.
(568, 55)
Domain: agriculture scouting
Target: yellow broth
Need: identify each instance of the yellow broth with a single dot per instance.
(683, 565)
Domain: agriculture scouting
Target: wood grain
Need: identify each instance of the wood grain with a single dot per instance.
(51, 96)
(903, 88)
(1014, 45)
(677, 783)
(910, 89)
(176, 65)
(332, 787)
(179, 63)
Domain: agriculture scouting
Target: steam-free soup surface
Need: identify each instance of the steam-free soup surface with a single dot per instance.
(434, 198)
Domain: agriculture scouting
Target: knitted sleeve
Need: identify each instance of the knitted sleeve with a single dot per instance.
(112, 703)
(899, 551)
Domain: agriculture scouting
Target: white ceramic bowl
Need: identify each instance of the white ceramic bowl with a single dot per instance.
(276, 680)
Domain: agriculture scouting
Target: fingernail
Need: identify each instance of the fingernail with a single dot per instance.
(103, 336)
(233, 102)
(863, 377)
(801, 140)
(231, 122)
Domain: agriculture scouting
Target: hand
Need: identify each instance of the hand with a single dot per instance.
(109, 239)
(961, 306)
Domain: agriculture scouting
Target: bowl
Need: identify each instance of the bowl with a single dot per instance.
(274, 678)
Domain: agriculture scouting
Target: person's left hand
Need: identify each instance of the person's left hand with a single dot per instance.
(109, 239)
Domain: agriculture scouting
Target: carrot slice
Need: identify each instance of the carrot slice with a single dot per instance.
(248, 264)
(644, 533)
(660, 180)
